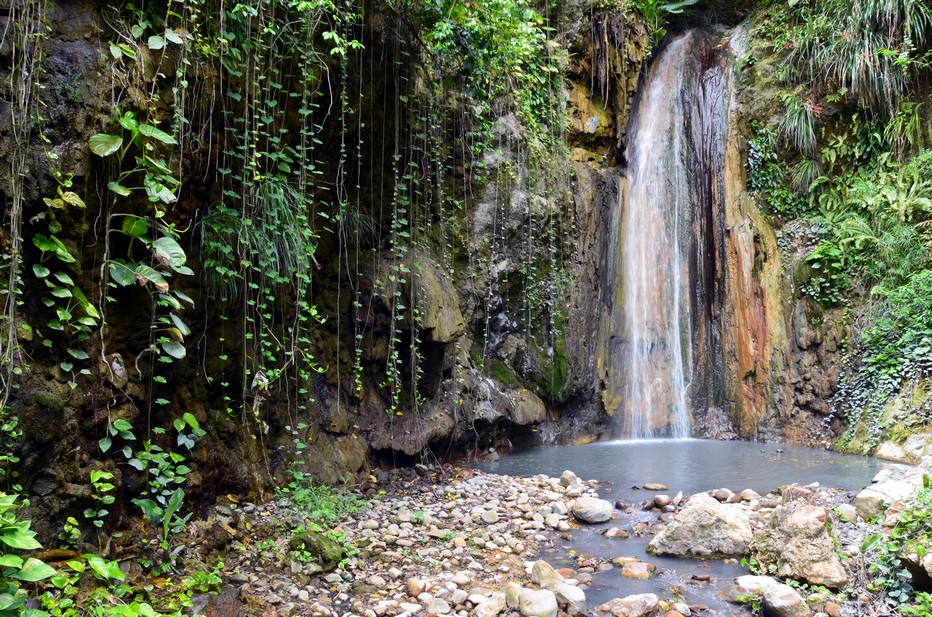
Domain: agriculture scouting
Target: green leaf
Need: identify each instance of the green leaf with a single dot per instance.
(122, 273)
(64, 278)
(182, 326)
(156, 42)
(135, 226)
(34, 570)
(9, 560)
(77, 354)
(145, 274)
(61, 292)
(119, 189)
(128, 120)
(122, 425)
(169, 252)
(115, 51)
(102, 144)
(174, 348)
(158, 134)
(105, 444)
(40, 271)
(128, 51)
(70, 197)
(85, 305)
(20, 538)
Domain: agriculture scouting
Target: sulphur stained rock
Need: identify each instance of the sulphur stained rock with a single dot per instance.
(592, 510)
(796, 543)
(492, 607)
(783, 601)
(639, 605)
(704, 527)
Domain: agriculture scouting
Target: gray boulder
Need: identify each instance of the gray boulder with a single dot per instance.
(639, 605)
(592, 510)
(704, 528)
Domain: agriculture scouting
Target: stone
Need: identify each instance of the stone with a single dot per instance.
(415, 587)
(491, 606)
(437, 607)
(615, 532)
(325, 551)
(592, 510)
(795, 543)
(872, 502)
(567, 478)
(569, 596)
(661, 501)
(783, 601)
(537, 603)
(704, 528)
(655, 486)
(639, 605)
(847, 513)
(748, 585)
(490, 516)
(637, 569)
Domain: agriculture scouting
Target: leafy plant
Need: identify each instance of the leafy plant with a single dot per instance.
(101, 489)
(14, 570)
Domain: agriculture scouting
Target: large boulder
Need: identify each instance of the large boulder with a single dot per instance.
(748, 585)
(537, 603)
(796, 543)
(704, 528)
(571, 598)
(592, 510)
(887, 487)
(639, 605)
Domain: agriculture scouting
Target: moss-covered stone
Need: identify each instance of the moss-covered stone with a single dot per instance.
(325, 551)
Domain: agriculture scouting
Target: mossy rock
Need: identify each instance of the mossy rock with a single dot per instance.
(325, 551)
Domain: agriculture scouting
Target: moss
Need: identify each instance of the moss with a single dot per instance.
(48, 401)
(503, 373)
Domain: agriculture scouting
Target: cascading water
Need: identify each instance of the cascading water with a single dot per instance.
(663, 332)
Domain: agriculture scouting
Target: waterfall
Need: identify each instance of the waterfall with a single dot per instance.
(664, 334)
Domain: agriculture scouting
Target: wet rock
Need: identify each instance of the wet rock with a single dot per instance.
(783, 601)
(704, 527)
(655, 486)
(872, 501)
(660, 501)
(795, 543)
(639, 605)
(592, 510)
(570, 597)
(568, 478)
(637, 569)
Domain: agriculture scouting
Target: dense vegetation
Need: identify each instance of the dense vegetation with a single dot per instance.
(849, 158)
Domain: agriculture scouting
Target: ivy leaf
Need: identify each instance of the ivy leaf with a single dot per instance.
(85, 305)
(20, 538)
(145, 274)
(104, 444)
(40, 271)
(174, 349)
(182, 326)
(168, 252)
(34, 570)
(119, 189)
(115, 51)
(158, 134)
(102, 144)
(156, 42)
(70, 197)
(122, 273)
(135, 227)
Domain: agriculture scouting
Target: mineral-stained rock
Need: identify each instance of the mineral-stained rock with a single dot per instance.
(796, 543)
(639, 605)
(783, 601)
(704, 527)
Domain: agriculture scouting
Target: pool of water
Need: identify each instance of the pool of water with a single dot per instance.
(687, 465)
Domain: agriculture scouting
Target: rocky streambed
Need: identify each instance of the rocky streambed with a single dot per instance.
(447, 541)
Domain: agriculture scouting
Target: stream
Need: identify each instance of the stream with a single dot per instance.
(687, 465)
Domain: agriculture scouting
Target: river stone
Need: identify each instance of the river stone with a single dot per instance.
(704, 528)
(639, 605)
(325, 551)
(491, 607)
(748, 585)
(569, 596)
(568, 477)
(796, 543)
(847, 513)
(655, 486)
(537, 603)
(783, 601)
(592, 510)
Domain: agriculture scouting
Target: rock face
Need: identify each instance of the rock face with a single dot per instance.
(592, 510)
(796, 543)
(704, 528)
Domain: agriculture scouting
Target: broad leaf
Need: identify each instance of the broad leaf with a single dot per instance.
(102, 144)
(145, 274)
(34, 570)
(158, 134)
(122, 273)
(174, 348)
(19, 538)
(119, 189)
(135, 227)
(169, 252)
